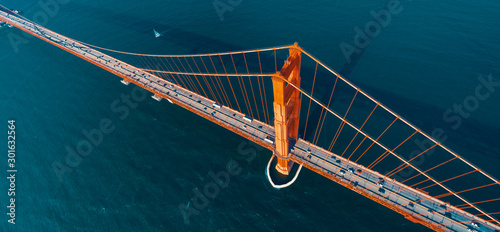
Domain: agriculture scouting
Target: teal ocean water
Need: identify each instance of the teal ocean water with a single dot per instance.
(424, 60)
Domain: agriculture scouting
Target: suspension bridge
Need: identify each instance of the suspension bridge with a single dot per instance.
(312, 117)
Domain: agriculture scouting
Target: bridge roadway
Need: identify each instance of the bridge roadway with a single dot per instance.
(390, 193)
(428, 212)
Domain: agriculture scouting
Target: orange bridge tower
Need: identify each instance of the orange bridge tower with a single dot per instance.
(287, 108)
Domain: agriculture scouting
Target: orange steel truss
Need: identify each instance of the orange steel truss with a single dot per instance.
(287, 108)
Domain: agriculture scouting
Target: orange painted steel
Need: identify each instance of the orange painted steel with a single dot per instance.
(366, 120)
(403, 166)
(268, 120)
(309, 107)
(201, 87)
(206, 54)
(320, 127)
(251, 87)
(286, 109)
(489, 214)
(339, 130)
(241, 82)
(219, 83)
(205, 80)
(230, 85)
(375, 141)
(177, 74)
(382, 157)
(211, 79)
(280, 126)
(466, 190)
(441, 164)
(452, 178)
(479, 202)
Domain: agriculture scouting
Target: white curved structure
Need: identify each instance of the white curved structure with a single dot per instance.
(283, 185)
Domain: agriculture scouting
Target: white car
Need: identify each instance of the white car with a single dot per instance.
(381, 183)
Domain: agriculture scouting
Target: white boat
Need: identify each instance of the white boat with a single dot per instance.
(157, 34)
(158, 98)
